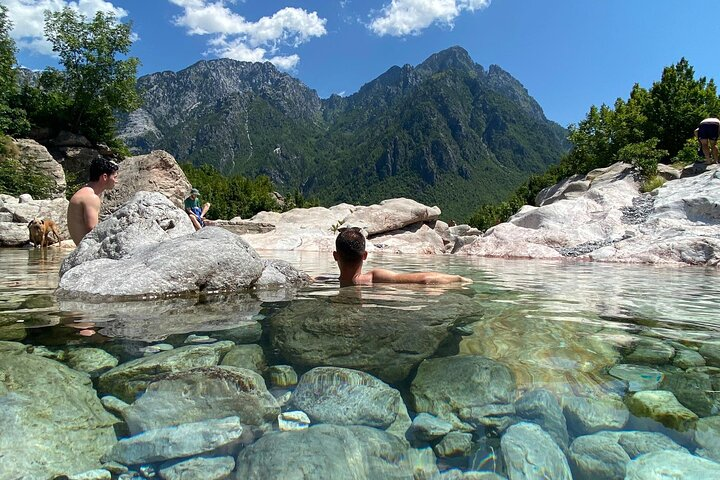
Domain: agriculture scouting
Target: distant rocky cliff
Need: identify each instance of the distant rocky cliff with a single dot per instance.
(445, 132)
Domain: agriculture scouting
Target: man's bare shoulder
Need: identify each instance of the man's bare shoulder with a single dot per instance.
(85, 195)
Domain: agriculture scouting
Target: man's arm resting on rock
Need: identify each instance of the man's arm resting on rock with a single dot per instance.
(380, 275)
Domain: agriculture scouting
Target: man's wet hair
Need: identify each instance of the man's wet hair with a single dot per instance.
(350, 244)
(101, 165)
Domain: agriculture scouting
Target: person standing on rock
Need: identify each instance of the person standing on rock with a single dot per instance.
(708, 132)
(350, 254)
(84, 208)
(192, 207)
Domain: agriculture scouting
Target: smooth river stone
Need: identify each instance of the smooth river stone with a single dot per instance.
(176, 442)
(207, 468)
(638, 377)
(92, 361)
(667, 464)
(605, 455)
(282, 376)
(590, 415)
(337, 452)
(663, 407)
(454, 444)
(687, 358)
(246, 356)
(530, 453)
(129, 379)
(542, 408)
(651, 351)
(445, 386)
(707, 436)
(711, 353)
(203, 394)
(341, 396)
(427, 427)
(694, 389)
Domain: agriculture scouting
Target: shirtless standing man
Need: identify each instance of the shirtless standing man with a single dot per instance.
(350, 254)
(84, 207)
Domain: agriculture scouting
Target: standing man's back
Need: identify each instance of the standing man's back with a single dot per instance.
(84, 208)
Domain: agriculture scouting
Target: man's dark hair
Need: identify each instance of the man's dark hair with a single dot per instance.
(101, 165)
(350, 244)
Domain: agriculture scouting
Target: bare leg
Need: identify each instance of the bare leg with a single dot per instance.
(706, 149)
(195, 222)
(713, 143)
(206, 207)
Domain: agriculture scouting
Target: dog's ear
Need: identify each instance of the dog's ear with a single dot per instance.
(41, 221)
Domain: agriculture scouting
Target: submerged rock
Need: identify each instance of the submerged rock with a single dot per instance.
(339, 452)
(203, 394)
(707, 436)
(129, 379)
(207, 468)
(340, 396)
(605, 455)
(427, 427)
(530, 452)
(445, 386)
(340, 331)
(92, 361)
(589, 415)
(177, 442)
(637, 377)
(454, 444)
(52, 421)
(671, 464)
(663, 407)
(542, 408)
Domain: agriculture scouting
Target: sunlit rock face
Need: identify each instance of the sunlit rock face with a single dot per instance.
(604, 217)
(148, 247)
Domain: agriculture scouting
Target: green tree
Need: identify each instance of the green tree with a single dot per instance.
(96, 80)
(677, 104)
(12, 119)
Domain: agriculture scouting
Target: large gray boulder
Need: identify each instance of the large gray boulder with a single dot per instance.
(390, 215)
(604, 217)
(52, 420)
(203, 394)
(341, 332)
(342, 396)
(415, 239)
(155, 172)
(35, 155)
(445, 387)
(149, 248)
(338, 452)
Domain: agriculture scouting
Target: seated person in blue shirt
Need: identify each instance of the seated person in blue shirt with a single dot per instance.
(192, 207)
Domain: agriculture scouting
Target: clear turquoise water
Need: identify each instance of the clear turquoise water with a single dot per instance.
(556, 325)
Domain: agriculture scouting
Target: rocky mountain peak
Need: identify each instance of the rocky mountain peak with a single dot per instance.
(453, 58)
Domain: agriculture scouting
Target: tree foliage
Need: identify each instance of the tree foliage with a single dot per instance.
(231, 196)
(12, 119)
(652, 125)
(97, 79)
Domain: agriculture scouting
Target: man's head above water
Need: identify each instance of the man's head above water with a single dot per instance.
(350, 254)
(350, 246)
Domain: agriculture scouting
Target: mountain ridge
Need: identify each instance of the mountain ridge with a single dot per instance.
(423, 131)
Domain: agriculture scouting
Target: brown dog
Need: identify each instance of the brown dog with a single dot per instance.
(40, 230)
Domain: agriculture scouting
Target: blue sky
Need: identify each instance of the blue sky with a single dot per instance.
(569, 54)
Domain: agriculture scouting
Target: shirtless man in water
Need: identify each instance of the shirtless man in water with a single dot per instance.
(350, 254)
(84, 207)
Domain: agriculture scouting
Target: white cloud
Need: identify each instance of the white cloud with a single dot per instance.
(28, 17)
(240, 39)
(410, 17)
